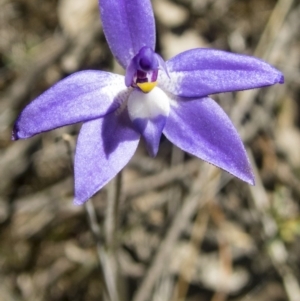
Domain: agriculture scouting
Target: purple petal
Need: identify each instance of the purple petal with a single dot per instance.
(201, 127)
(80, 97)
(201, 72)
(151, 130)
(130, 73)
(103, 148)
(128, 26)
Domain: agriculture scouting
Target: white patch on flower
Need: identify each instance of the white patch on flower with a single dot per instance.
(121, 99)
(171, 84)
(116, 90)
(148, 105)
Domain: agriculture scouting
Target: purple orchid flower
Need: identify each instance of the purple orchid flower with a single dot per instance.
(155, 97)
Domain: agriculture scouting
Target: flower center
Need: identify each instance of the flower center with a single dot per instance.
(146, 87)
(142, 71)
(146, 81)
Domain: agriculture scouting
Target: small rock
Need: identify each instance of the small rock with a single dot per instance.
(76, 15)
(4, 211)
(174, 44)
(170, 14)
(287, 136)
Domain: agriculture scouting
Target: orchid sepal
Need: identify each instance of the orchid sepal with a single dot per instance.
(201, 72)
(128, 26)
(104, 147)
(201, 128)
(82, 96)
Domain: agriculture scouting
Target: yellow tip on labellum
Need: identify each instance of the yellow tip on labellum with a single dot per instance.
(147, 87)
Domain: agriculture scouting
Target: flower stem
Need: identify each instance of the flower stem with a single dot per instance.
(111, 237)
(112, 212)
(107, 249)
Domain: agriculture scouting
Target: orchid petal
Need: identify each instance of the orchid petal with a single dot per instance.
(151, 130)
(130, 73)
(149, 112)
(201, 72)
(201, 128)
(128, 26)
(83, 96)
(103, 148)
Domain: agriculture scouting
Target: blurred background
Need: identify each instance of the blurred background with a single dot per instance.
(187, 231)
